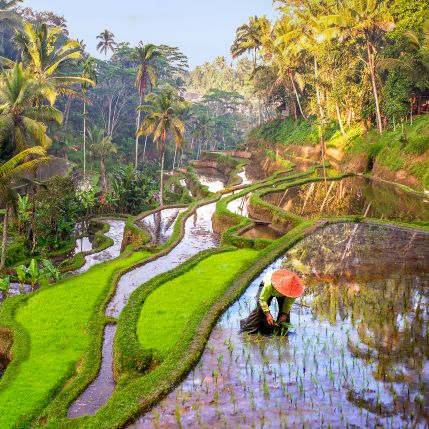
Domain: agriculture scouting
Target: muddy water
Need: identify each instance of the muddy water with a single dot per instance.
(268, 232)
(240, 205)
(352, 196)
(116, 233)
(160, 225)
(211, 178)
(358, 358)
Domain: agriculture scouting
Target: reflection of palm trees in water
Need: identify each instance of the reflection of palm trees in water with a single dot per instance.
(160, 224)
(362, 281)
(391, 322)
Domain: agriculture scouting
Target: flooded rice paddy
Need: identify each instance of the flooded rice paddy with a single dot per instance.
(199, 236)
(352, 196)
(212, 178)
(358, 357)
(160, 225)
(116, 233)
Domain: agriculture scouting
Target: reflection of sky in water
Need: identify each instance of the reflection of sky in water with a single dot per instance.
(212, 179)
(351, 360)
(116, 233)
(240, 205)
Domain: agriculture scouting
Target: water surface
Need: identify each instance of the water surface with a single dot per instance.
(352, 196)
(359, 357)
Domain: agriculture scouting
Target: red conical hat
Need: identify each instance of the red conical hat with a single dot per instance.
(287, 283)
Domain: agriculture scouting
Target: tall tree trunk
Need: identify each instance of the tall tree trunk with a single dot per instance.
(297, 96)
(84, 139)
(319, 100)
(337, 109)
(161, 191)
(103, 177)
(138, 120)
(293, 105)
(5, 237)
(322, 147)
(340, 121)
(175, 156)
(144, 149)
(374, 85)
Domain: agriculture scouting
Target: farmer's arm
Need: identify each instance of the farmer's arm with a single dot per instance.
(264, 296)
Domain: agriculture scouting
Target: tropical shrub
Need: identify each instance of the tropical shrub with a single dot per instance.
(133, 190)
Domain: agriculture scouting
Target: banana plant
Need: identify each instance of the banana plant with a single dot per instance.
(4, 285)
(33, 273)
(21, 275)
(50, 271)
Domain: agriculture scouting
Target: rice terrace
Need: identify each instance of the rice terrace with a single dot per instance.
(214, 214)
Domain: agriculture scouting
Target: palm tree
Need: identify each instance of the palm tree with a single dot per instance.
(282, 47)
(20, 117)
(88, 72)
(147, 72)
(203, 131)
(249, 37)
(163, 120)
(366, 19)
(107, 42)
(45, 55)
(41, 49)
(102, 147)
(24, 163)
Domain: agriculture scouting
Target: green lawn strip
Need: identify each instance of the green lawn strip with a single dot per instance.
(52, 328)
(167, 311)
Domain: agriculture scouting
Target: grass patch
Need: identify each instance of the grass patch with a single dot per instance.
(167, 311)
(53, 325)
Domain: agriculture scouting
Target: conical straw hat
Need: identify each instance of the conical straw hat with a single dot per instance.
(287, 283)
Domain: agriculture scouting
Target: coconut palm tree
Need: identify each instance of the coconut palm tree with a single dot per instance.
(249, 37)
(366, 19)
(162, 121)
(147, 72)
(20, 117)
(107, 42)
(45, 55)
(23, 164)
(203, 131)
(102, 147)
(281, 47)
(88, 72)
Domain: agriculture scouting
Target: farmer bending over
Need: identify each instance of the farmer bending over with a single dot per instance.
(283, 285)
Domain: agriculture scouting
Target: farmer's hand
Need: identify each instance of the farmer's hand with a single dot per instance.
(270, 319)
(282, 319)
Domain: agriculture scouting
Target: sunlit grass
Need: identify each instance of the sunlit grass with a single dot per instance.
(56, 320)
(168, 309)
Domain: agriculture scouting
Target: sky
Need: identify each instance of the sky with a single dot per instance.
(202, 29)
